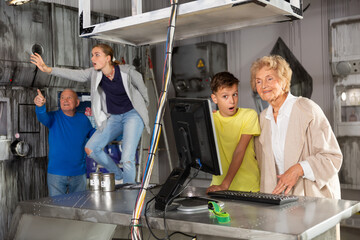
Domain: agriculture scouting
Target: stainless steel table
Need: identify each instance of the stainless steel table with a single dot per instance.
(103, 211)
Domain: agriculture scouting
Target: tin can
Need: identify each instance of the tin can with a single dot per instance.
(95, 179)
(108, 182)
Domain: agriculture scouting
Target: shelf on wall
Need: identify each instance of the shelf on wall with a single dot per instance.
(355, 105)
(194, 19)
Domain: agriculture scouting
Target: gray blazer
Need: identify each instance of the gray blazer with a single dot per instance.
(133, 84)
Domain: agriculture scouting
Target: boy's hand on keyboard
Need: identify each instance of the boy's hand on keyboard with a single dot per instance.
(287, 180)
(214, 188)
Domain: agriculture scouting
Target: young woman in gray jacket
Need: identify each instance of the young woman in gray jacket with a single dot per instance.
(119, 101)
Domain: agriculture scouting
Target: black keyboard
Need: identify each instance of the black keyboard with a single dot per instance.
(277, 199)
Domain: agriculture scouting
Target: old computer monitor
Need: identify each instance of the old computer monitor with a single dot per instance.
(196, 144)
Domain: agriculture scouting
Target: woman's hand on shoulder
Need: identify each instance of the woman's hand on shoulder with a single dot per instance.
(39, 62)
(288, 180)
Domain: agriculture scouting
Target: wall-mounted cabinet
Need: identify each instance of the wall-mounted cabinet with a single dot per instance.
(345, 48)
(345, 63)
(345, 57)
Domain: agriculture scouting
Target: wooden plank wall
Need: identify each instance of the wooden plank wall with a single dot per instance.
(22, 178)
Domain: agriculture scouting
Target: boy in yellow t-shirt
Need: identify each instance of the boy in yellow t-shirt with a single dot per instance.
(235, 130)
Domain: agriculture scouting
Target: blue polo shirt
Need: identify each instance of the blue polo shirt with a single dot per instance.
(117, 100)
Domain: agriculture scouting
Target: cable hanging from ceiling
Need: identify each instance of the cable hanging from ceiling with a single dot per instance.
(135, 222)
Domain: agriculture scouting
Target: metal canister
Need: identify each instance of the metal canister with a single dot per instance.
(108, 182)
(95, 181)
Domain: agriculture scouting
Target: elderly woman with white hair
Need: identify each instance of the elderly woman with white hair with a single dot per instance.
(297, 150)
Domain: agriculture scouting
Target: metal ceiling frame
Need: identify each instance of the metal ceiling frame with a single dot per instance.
(197, 18)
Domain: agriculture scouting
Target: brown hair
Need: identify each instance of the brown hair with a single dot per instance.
(108, 52)
(221, 80)
(276, 63)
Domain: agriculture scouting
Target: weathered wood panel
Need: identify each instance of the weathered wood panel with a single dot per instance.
(22, 30)
(22, 178)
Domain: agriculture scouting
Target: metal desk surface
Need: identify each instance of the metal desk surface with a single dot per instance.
(303, 219)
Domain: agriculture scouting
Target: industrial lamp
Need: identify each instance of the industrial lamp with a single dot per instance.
(16, 2)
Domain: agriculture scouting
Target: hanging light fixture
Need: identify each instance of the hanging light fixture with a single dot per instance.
(16, 2)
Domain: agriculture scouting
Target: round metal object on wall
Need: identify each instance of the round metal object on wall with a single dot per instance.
(343, 68)
(181, 85)
(37, 48)
(20, 148)
(195, 84)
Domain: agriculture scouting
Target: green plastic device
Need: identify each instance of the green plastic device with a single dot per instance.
(222, 217)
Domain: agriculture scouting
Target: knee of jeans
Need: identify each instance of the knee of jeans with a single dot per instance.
(128, 164)
(94, 150)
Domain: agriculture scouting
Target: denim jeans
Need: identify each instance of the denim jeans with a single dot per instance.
(129, 125)
(59, 185)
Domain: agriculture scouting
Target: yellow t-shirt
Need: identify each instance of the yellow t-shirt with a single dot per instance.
(228, 134)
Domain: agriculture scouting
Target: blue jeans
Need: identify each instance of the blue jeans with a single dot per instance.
(129, 125)
(59, 185)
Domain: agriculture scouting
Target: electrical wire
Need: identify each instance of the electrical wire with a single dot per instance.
(168, 236)
(172, 199)
(135, 222)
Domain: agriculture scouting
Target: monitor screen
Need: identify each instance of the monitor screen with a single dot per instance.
(194, 134)
(196, 145)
